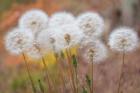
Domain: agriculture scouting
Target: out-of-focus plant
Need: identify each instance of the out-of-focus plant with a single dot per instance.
(20, 83)
(123, 40)
(38, 34)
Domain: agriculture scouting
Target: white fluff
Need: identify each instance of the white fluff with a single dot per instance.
(60, 19)
(123, 39)
(34, 19)
(91, 23)
(58, 35)
(74, 33)
(100, 52)
(46, 39)
(18, 40)
(34, 52)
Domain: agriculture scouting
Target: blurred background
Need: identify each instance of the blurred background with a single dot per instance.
(115, 12)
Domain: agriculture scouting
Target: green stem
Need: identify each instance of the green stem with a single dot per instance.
(75, 65)
(76, 80)
(92, 77)
(71, 69)
(29, 74)
(41, 86)
(47, 75)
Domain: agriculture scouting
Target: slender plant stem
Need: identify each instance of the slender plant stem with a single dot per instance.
(46, 70)
(122, 73)
(76, 75)
(68, 74)
(76, 72)
(92, 77)
(41, 86)
(29, 74)
(60, 72)
(90, 88)
(78, 83)
(71, 70)
(47, 75)
(88, 81)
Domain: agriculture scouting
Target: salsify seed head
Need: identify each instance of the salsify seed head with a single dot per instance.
(123, 39)
(59, 38)
(91, 23)
(61, 18)
(70, 36)
(46, 40)
(34, 19)
(93, 50)
(18, 40)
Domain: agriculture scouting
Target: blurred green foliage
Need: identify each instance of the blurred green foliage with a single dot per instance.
(88, 80)
(25, 1)
(74, 61)
(84, 90)
(5, 4)
(21, 82)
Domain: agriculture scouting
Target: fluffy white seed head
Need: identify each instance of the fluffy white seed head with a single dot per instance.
(93, 51)
(60, 19)
(46, 39)
(34, 19)
(18, 40)
(123, 39)
(91, 23)
(70, 36)
(58, 38)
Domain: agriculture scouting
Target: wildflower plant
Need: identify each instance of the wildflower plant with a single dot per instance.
(38, 35)
(123, 40)
(17, 42)
(93, 52)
